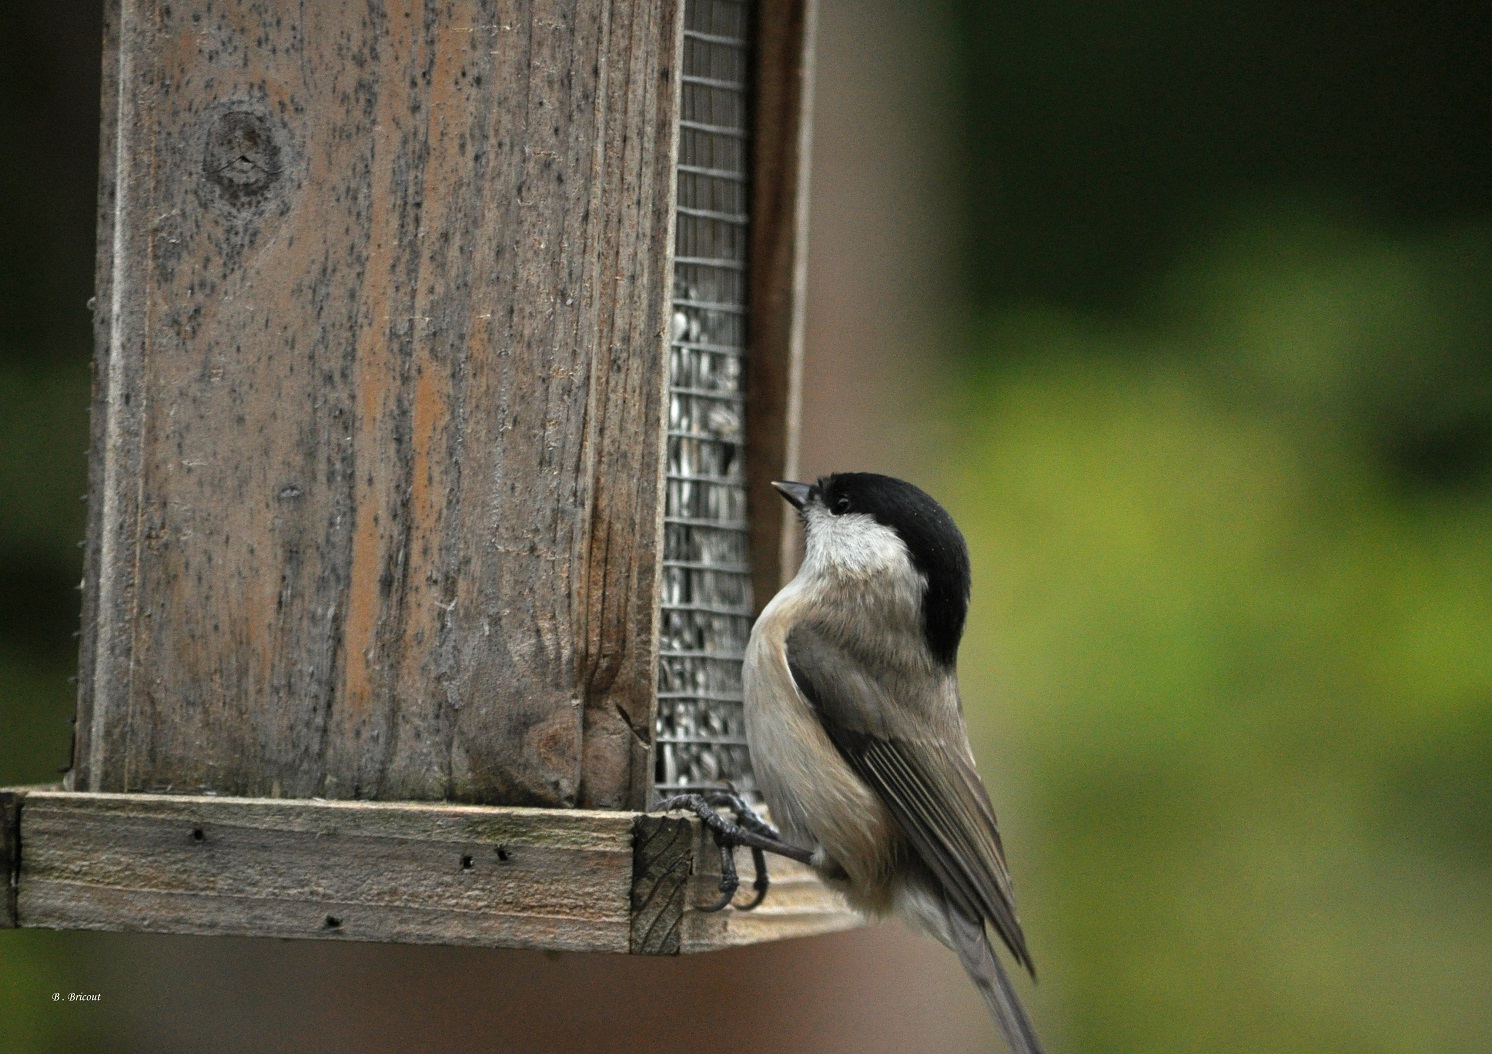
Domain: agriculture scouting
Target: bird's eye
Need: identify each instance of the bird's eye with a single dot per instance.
(841, 505)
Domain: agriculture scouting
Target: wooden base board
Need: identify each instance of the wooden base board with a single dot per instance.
(386, 871)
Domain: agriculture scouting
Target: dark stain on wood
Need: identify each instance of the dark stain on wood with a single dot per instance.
(10, 857)
(379, 400)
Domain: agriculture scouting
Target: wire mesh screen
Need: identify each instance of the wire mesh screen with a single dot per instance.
(707, 601)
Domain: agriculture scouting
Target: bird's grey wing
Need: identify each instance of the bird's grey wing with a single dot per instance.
(928, 783)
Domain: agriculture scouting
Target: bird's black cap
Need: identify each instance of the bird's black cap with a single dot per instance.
(934, 541)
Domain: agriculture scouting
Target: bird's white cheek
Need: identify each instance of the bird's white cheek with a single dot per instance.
(854, 545)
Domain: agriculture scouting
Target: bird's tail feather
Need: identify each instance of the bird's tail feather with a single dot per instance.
(984, 969)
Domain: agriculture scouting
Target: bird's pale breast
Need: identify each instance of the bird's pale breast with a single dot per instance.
(814, 795)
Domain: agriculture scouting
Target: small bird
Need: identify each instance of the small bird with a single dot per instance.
(857, 732)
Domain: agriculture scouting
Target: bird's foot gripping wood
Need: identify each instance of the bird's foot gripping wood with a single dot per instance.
(749, 829)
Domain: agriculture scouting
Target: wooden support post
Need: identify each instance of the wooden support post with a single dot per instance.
(779, 256)
(379, 403)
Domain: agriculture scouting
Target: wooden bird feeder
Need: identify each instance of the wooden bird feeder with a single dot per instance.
(445, 354)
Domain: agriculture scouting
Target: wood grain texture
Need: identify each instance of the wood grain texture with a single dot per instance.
(345, 870)
(379, 399)
(10, 857)
(662, 863)
(783, 118)
(378, 871)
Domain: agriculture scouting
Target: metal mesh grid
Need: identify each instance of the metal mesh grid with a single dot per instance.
(707, 601)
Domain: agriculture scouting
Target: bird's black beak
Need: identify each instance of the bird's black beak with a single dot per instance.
(796, 494)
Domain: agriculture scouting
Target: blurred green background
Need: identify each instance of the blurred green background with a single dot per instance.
(1212, 399)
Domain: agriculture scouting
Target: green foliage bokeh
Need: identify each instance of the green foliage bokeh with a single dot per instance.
(1243, 659)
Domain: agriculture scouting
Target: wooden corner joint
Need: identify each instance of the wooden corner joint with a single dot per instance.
(10, 857)
(662, 864)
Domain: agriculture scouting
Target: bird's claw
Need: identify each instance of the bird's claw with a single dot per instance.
(728, 836)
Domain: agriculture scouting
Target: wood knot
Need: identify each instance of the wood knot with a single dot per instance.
(242, 158)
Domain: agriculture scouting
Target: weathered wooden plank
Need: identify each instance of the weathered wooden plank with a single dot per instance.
(113, 462)
(379, 400)
(406, 872)
(10, 857)
(105, 908)
(779, 255)
(619, 580)
(447, 874)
